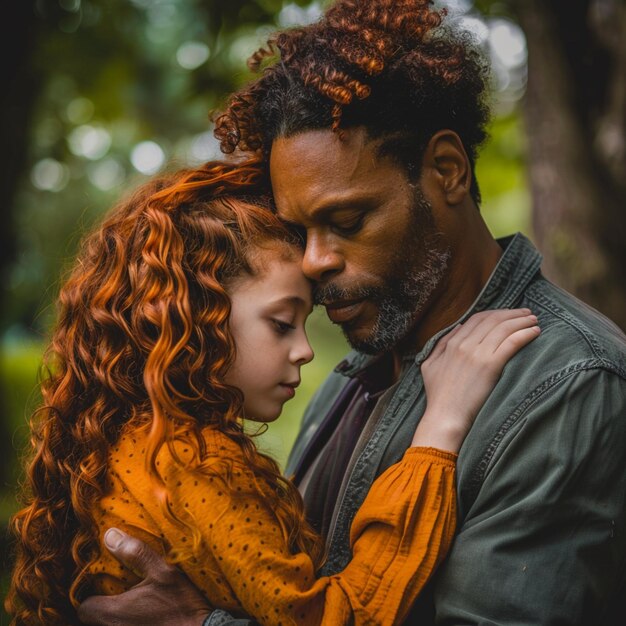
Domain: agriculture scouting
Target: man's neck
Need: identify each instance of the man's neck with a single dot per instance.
(470, 268)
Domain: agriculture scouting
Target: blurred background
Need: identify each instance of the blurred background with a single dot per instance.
(100, 94)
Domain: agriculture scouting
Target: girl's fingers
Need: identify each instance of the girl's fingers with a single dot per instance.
(490, 328)
(496, 335)
(475, 329)
(515, 342)
(441, 344)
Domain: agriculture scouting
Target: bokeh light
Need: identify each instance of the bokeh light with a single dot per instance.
(204, 147)
(80, 110)
(147, 157)
(106, 174)
(49, 175)
(507, 42)
(292, 14)
(91, 142)
(192, 54)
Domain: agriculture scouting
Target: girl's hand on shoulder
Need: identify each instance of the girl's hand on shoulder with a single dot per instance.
(463, 369)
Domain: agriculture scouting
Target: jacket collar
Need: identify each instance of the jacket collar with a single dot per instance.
(517, 266)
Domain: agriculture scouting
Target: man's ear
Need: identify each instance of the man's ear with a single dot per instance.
(447, 166)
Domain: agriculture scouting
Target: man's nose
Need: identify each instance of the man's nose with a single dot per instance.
(321, 260)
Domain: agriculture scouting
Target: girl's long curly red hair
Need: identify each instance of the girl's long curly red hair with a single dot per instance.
(142, 339)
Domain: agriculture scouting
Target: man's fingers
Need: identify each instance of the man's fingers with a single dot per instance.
(119, 610)
(135, 555)
(164, 595)
(96, 611)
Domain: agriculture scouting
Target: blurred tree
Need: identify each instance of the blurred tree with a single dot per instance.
(16, 102)
(21, 86)
(575, 109)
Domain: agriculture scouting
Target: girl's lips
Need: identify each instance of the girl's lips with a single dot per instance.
(290, 390)
(341, 313)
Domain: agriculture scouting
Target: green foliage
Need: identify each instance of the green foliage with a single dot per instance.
(19, 367)
(501, 172)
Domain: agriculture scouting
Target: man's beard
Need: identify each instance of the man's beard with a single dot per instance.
(413, 274)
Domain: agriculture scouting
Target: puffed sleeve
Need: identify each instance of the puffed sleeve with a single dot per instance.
(400, 534)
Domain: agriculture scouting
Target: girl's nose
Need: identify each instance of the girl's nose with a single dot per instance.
(303, 352)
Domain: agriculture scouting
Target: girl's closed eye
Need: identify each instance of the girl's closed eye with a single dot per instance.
(282, 327)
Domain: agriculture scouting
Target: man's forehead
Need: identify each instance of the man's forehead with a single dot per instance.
(323, 168)
(318, 149)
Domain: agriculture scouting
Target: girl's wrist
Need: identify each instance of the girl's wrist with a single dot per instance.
(438, 431)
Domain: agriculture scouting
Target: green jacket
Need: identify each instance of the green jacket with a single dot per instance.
(541, 475)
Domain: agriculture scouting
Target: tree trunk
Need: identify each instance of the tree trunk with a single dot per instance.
(20, 87)
(575, 111)
(17, 97)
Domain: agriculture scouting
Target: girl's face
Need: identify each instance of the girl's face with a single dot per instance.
(267, 322)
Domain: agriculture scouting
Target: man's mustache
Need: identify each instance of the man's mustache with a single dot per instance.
(330, 293)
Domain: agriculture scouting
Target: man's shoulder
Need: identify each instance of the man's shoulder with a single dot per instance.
(573, 333)
(578, 359)
(559, 400)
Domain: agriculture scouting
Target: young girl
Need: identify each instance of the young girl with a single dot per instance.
(185, 313)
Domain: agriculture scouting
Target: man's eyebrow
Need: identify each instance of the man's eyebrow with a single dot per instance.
(348, 202)
(330, 205)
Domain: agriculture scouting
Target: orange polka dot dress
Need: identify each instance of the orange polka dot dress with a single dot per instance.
(242, 562)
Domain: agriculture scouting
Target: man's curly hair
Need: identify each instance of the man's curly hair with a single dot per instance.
(390, 66)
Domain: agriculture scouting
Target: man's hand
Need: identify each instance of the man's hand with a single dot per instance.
(165, 596)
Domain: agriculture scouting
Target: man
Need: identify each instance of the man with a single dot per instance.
(370, 124)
